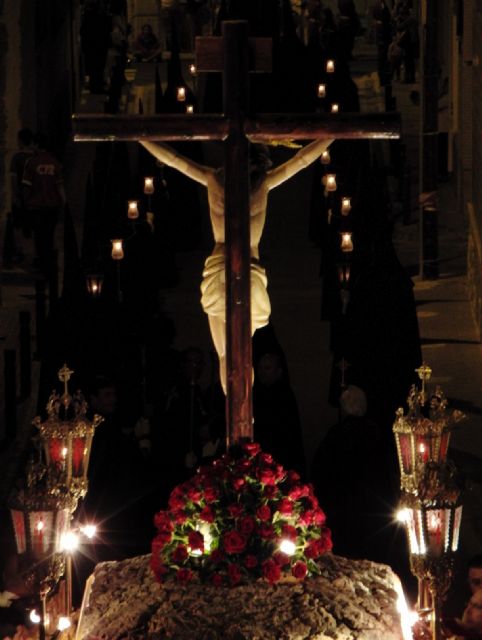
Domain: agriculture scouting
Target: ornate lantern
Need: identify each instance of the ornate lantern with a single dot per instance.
(422, 440)
(41, 516)
(430, 505)
(66, 437)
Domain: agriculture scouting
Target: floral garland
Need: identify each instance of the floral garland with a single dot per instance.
(241, 519)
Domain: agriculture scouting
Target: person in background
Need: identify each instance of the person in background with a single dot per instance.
(26, 150)
(474, 573)
(146, 44)
(44, 197)
(277, 426)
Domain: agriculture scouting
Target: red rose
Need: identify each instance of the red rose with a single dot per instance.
(270, 492)
(235, 510)
(180, 554)
(250, 561)
(263, 513)
(207, 514)
(285, 506)
(271, 571)
(234, 542)
(211, 494)
(246, 525)
(312, 549)
(281, 558)
(162, 538)
(177, 500)
(293, 477)
(289, 532)
(266, 531)
(325, 543)
(196, 540)
(306, 517)
(251, 448)
(162, 521)
(194, 494)
(216, 556)
(184, 575)
(266, 476)
(238, 483)
(217, 580)
(280, 473)
(179, 516)
(319, 517)
(234, 573)
(295, 492)
(266, 458)
(299, 570)
(244, 466)
(158, 568)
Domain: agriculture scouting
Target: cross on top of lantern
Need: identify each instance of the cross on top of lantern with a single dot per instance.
(422, 435)
(66, 438)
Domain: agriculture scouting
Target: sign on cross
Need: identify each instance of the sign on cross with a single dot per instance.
(237, 129)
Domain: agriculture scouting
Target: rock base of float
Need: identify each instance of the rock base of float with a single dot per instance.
(351, 599)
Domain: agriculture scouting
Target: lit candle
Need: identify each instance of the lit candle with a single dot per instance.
(346, 242)
(192, 69)
(325, 157)
(181, 94)
(132, 210)
(434, 529)
(330, 182)
(117, 249)
(335, 107)
(345, 206)
(330, 66)
(189, 108)
(321, 90)
(423, 450)
(148, 185)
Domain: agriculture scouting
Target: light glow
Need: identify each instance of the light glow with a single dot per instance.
(89, 530)
(132, 210)
(34, 616)
(189, 108)
(335, 107)
(148, 185)
(407, 619)
(69, 541)
(321, 90)
(181, 94)
(325, 157)
(63, 623)
(117, 250)
(287, 547)
(330, 66)
(331, 182)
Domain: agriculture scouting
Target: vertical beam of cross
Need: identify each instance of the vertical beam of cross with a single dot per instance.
(239, 411)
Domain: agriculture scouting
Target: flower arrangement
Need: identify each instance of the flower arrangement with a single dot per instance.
(241, 519)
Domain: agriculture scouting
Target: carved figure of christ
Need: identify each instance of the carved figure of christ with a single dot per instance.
(213, 285)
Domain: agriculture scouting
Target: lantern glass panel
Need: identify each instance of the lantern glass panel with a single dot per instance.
(41, 525)
(444, 445)
(18, 520)
(405, 452)
(79, 452)
(57, 450)
(61, 527)
(456, 528)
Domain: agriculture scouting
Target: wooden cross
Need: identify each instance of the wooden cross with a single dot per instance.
(236, 129)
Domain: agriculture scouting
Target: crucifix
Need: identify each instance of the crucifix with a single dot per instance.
(237, 129)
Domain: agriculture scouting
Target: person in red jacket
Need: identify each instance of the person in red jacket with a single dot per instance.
(44, 197)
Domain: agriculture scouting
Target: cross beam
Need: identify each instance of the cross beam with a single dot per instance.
(236, 129)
